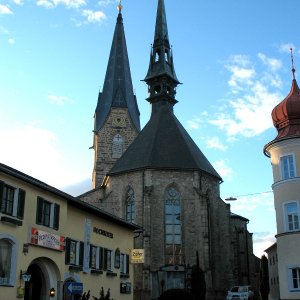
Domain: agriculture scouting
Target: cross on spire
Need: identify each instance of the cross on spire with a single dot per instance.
(293, 68)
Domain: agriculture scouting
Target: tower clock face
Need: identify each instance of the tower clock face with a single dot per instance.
(119, 121)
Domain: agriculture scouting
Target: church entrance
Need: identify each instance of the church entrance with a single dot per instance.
(44, 276)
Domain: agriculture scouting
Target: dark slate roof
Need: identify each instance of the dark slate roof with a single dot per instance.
(74, 201)
(117, 90)
(161, 27)
(163, 144)
(235, 216)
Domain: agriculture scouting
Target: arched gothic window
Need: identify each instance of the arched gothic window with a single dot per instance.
(117, 146)
(173, 241)
(130, 205)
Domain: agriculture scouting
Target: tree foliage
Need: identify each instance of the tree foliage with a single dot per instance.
(264, 279)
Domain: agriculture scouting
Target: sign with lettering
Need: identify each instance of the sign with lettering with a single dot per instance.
(74, 288)
(137, 256)
(103, 232)
(47, 239)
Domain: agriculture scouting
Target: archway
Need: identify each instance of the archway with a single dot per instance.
(44, 276)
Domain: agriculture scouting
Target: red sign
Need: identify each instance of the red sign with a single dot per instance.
(47, 239)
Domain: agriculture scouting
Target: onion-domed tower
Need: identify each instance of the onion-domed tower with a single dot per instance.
(284, 152)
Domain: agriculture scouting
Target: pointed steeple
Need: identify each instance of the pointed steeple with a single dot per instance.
(161, 77)
(163, 144)
(117, 90)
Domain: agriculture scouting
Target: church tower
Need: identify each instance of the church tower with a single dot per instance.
(166, 185)
(284, 153)
(116, 119)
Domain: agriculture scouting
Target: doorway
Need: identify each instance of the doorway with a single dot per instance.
(35, 288)
(44, 277)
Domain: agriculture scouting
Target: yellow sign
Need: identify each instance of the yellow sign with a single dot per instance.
(137, 256)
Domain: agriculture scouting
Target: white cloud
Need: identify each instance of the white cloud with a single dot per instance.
(18, 2)
(261, 242)
(223, 169)
(59, 100)
(194, 123)
(67, 3)
(273, 63)
(250, 203)
(215, 143)
(242, 72)
(45, 3)
(252, 98)
(106, 2)
(286, 48)
(5, 10)
(93, 16)
(35, 151)
(11, 41)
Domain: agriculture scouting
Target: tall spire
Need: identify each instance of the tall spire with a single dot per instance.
(117, 90)
(161, 77)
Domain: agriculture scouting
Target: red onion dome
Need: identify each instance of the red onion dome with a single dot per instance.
(286, 115)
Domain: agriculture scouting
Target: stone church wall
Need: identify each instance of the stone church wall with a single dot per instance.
(118, 122)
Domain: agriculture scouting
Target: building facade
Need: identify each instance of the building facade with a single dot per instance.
(53, 245)
(284, 153)
(166, 185)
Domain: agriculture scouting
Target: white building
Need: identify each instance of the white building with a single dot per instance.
(284, 152)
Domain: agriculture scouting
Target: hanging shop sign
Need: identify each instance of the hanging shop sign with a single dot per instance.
(137, 256)
(47, 239)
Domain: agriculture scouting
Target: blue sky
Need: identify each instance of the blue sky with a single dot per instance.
(231, 56)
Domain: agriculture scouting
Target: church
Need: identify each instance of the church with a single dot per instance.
(159, 179)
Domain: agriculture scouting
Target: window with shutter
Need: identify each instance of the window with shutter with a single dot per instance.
(56, 217)
(21, 204)
(101, 260)
(47, 213)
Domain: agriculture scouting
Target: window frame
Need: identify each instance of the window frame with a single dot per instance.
(172, 236)
(18, 200)
(124, 263)
(13, 259)
(293, 214)
(291, 278)
(54, 210)
(287, 163)
(117, 147)
(130, 205)
(79, 249)
(108, 267)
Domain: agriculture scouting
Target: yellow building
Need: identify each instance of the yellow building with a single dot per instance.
(53, 245)
(284, 153)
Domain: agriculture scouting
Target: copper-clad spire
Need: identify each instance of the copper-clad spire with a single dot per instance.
(286, 115)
